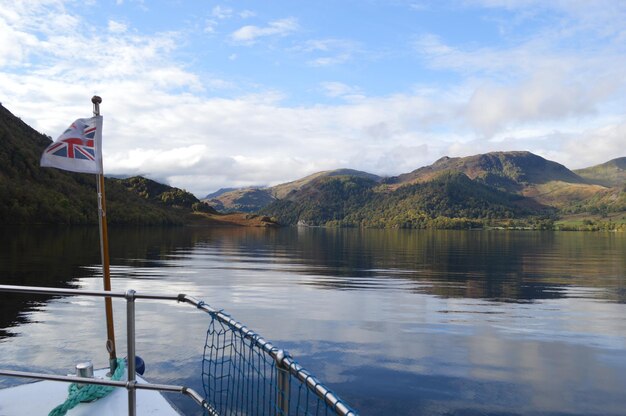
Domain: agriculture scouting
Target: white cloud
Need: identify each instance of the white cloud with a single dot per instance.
(246, 14)
(150, 160)
(329, 60)
(210, 25)
(418, 7)
(164, 120)
(222, 12)
(432, 45)
(14, 45)
(249, 34)
(545, 97)
(604, 140)
(339, 89)
(323, 45)
(117, 27)
(530, 82)
(327, 52)
(495, 63)
(602, 13)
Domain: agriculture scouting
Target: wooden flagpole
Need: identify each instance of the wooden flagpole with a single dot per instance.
(104, 252)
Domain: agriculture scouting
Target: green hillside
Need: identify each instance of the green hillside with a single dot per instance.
(520, 172)
(450, 200)
(30, 194)
(510, 171)
(158, 192)
(324, 199)
(610, 174)
(283, 190)
(511, 189)
(253, 199)
(241, 200)
(544, 183)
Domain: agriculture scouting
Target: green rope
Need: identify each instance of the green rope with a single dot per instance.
(88, 392)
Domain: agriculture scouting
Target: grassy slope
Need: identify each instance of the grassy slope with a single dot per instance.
(610, 174)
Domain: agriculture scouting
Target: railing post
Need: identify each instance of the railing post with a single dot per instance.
(130, 349)
(283, 379)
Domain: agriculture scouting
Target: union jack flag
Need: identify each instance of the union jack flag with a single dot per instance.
(78, 149)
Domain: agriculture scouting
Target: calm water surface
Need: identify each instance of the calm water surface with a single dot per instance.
(396, 322)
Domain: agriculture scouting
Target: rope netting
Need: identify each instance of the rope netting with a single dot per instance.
(241, 375)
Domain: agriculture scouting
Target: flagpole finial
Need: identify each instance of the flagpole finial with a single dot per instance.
(96, 100)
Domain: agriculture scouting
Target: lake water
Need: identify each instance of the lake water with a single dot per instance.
(396, 322)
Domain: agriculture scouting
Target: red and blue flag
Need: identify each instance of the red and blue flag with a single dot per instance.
(78, 149)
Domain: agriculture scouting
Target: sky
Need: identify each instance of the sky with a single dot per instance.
(209, 94)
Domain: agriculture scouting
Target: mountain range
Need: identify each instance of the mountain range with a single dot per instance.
(461, 191)
(487, 189)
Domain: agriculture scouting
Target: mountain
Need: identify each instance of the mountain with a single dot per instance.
(511, 171)
(448, 200)
(322, 199)
(253, 199)
(494, 188)
(283, 190)
(30, 194)
(219, 192)
(241, 200)
(160, 194)
(524, 173)
(609, 174)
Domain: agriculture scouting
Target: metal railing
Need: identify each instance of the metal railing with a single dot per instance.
(131, 384)
(286, 366)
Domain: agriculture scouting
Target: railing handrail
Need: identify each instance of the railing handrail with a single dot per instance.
(169, 388)
(281, 357)
(42, 290)
(131, 385)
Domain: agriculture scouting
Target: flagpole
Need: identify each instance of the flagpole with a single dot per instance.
(104, 253)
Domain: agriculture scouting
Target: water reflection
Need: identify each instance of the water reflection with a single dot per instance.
(398, 322)
(41, 256)
(498, 265)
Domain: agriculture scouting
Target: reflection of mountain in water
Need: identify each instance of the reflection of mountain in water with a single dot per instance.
(41, 256)
(499, 265)
(58, 256)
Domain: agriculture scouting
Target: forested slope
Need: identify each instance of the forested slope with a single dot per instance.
(30, 194)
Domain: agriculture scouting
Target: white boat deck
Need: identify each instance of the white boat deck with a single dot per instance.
(39, 398)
